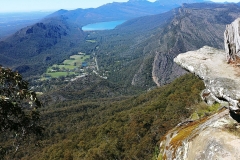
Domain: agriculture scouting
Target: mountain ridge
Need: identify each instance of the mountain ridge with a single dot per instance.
(149, 42)
(96, 118)
(188, 27)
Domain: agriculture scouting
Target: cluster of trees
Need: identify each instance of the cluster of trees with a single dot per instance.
(93, 127)
(95, 118)
(19, 114)
(127, 127)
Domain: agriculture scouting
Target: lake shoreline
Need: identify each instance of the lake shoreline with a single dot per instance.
(102, 25)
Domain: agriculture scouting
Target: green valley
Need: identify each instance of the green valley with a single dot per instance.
(76, 65)
(112, 94)
(119, 127)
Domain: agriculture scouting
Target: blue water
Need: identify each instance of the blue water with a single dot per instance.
(102, 25)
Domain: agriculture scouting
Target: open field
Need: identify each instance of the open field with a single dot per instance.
(60, 74)
(68, 66)
(63, 67)
(76, 60)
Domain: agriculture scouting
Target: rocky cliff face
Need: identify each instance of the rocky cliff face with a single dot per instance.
(192, 27)
(232, 40)
(205, 139)
(221, 79)
(216, 136)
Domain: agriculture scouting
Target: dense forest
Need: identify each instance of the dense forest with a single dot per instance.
(122, 109)
(127, 127)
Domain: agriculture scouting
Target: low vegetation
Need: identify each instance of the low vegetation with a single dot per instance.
(127, 127)
(73, 66)
(202, 110)
(19, 113)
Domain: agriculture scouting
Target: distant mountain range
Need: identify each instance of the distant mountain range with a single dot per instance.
(37, 45)
(120, 11)
(150, 43)
(107, 118)
(144, 47)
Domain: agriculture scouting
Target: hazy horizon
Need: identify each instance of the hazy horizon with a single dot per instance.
(11, 6)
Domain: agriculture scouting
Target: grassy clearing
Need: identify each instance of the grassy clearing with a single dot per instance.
(76, 60)
(67, 67)
(202, 110)
(60, 74)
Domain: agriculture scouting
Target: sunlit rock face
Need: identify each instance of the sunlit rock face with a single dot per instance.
(204, 139)
(216, 136)
(232, 41)
(222, 80)
(209, 137)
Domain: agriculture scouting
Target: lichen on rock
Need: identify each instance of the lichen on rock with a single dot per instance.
(208, 137)
(205, 138)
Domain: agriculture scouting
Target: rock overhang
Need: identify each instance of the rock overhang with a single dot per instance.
(222, 80)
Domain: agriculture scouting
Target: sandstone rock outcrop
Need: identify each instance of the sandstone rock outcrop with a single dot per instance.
(205, 139)
(222, 80)
(232, 40)
(210, 137)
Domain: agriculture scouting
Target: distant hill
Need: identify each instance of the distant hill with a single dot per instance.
(178, 3)
(45, 42)
(51, 40)
(145, 47)
(12, 22)
(139, 52)
(112, 11)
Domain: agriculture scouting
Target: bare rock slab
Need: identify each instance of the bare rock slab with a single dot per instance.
(205, 139)
(222, 80)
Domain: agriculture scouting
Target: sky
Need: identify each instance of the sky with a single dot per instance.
(52, 5)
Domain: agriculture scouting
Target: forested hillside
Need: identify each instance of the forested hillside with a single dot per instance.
(132, 93)
(164, 36)
(139, 52)
(115, 128)
(34, 47)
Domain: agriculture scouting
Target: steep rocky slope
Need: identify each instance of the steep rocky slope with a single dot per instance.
(150, 43)
(221, 79)
(140, 52)
(40, 44)
(192, 27)
(216, 136)
(208, 138)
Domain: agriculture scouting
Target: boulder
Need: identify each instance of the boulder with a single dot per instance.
(222, 80)
(232, 41)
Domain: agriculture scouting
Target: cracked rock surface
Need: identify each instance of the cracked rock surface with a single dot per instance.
(222, 80)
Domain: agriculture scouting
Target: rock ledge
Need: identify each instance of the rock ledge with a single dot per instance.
(222, 80)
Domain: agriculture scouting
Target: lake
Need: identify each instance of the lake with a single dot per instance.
(102, 25)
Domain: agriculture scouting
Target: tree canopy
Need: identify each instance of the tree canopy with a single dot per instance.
(19, 114)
